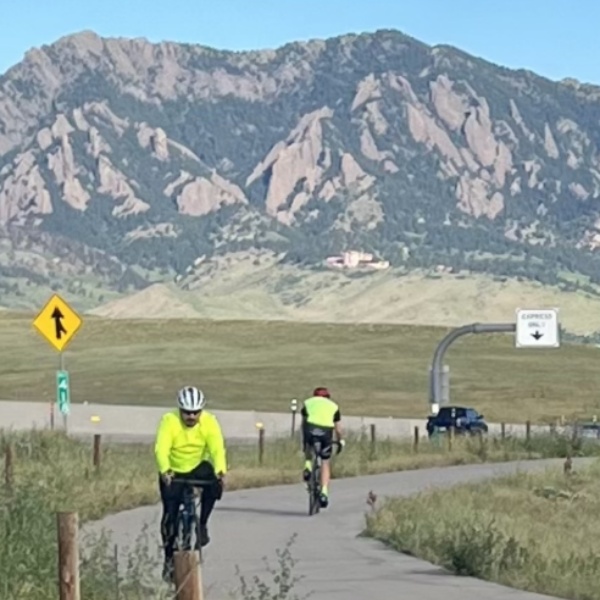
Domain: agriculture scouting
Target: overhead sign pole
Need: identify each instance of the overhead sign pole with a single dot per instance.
(58, 323)
(534, 328)
(435, 398)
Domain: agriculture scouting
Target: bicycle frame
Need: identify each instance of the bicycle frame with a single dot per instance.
(187, 516)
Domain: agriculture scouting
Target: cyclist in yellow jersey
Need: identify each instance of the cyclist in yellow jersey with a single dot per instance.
(321, 417)
(184, 439)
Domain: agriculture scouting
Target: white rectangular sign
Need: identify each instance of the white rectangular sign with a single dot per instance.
(537, 328)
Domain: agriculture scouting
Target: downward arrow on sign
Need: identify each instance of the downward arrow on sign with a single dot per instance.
(537, 335)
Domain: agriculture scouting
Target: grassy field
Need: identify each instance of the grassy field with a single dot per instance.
(55, 473)
(536, 532)
(371, 369)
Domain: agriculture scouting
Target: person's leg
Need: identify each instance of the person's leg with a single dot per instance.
(326, 451)
(171, 498)
(210, 494)
(306, 440)
(325, 475)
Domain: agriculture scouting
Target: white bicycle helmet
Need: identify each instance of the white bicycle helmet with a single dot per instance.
(190, 398)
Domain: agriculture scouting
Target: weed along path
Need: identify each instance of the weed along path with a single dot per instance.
(334, 561)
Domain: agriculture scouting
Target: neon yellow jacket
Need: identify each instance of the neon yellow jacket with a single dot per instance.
(181, 448)
(321, 412)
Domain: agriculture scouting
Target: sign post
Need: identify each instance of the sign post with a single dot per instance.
(537, 328)
(58, 323)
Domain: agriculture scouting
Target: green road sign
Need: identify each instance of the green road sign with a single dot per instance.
(63, 393)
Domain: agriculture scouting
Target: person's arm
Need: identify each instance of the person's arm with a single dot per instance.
(216, 447)
(337, 423)
(162, 446)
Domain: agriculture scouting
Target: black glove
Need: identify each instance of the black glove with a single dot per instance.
(219, 488)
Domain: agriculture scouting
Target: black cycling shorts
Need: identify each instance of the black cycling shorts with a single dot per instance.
(323, 435)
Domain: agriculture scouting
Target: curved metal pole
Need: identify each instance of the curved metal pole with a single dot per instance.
(435, 389)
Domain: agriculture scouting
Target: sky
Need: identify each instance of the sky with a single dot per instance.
(554, 38)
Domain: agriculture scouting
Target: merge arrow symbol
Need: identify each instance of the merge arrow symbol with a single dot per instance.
(537, 335)
(59, 327)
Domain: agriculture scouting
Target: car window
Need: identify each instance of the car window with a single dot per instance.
(472, 414)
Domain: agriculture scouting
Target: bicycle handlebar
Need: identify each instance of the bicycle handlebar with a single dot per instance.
(194, 482)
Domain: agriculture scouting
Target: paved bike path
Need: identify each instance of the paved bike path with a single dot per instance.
(336, 564)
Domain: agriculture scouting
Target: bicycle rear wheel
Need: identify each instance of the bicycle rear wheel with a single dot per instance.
(314, 501)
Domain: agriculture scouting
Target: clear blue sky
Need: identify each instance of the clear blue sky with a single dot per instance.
(555, 38)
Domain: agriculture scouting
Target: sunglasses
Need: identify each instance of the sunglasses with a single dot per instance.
(190, 413)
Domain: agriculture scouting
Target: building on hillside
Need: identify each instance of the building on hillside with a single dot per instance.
(352, 259)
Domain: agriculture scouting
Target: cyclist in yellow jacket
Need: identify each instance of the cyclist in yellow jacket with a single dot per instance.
(320, 418)
(184, 439)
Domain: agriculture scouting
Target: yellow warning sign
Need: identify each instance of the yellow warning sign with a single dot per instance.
(57, 322)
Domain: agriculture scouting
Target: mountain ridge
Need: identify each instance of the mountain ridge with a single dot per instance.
(161, 158)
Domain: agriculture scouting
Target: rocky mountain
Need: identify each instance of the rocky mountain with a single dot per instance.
(125, 163)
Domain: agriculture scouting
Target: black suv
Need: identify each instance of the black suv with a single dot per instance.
(463, 419)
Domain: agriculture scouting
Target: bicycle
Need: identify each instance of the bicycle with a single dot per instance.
(188, 514)
(314, 483)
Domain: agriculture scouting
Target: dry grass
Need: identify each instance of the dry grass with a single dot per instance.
(375, 369)
(239, 289)
(536, 532)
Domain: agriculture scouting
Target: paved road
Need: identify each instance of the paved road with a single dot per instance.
(138, 423)
(248, 525)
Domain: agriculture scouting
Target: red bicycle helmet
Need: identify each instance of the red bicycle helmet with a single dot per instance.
(322, 391)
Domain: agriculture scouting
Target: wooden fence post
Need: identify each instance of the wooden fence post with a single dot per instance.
(373, 438)
(261, 445)
(503, 431)
(68, 556)
(97, 442)
(416, 439)
(528, 437)
(188, 579)
(8, 467)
